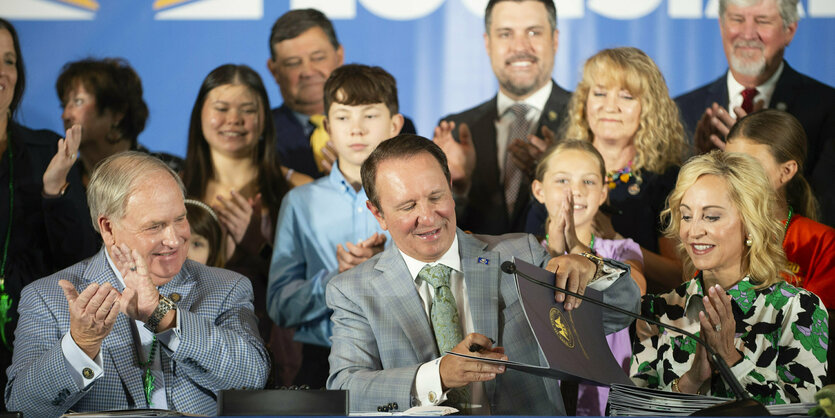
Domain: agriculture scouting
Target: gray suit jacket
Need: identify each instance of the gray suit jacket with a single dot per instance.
(381, 333)
(219, 345)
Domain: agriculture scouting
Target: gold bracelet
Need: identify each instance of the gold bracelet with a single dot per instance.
(674, 385)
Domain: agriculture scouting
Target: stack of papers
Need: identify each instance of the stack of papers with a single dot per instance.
(637, 401)
(422, 411)
(634, 401)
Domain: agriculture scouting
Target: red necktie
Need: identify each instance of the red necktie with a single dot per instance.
(748, 99)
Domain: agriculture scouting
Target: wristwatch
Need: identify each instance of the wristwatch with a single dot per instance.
(598, 273)
(164, 306)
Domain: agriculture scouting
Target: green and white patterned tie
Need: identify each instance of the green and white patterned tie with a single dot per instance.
(445, 321)
(444, 311)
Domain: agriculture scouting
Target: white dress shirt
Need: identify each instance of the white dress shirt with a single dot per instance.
(764, 91)
(77, 360)
(536, 102)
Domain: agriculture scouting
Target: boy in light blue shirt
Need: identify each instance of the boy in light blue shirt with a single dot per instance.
(324, 227)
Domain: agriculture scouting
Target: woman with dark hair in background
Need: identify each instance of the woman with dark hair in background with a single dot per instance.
(232, 165)
(44, 221)
(778, 141)
(105, 97)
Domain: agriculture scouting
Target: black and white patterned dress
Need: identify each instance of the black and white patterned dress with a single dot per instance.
(782, 332)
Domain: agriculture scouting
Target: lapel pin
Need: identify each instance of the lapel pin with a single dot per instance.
(552, 116)
(482, 260)
(781, 106)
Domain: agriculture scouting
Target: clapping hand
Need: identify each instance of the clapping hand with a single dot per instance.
(718, 326)
(460, 154)
(352, 255)
(716, 122)
(718, 329)
(55, 175)
(562, 234)
(526, 154)
(92, 314)
(140, 296)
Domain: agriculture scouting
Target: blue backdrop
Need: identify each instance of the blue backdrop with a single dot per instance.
(433, 47)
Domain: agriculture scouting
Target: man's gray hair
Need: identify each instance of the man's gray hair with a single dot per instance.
(114, 179)
(788, 8)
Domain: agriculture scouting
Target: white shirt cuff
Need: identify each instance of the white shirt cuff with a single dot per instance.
(610, 275)
(83, 370)
(170, 338)
(428, 384)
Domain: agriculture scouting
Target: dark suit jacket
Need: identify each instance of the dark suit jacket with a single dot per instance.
(810, 101)
(484, 211)
(293, 145)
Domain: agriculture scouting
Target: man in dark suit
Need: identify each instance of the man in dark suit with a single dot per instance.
(492, 173)
(439, 289)
(304, 51)
(754, 38)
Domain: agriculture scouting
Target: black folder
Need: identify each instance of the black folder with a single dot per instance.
(572, 342)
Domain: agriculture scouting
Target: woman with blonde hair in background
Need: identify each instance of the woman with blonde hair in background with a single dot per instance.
(773, 335)
(622, 106)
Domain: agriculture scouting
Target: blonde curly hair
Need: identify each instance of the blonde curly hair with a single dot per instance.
(659, 141)
(752, 196)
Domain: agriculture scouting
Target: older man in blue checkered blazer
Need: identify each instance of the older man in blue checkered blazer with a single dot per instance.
(148, 328)
(388, 335)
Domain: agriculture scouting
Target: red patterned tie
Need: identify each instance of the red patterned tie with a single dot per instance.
(748, 99)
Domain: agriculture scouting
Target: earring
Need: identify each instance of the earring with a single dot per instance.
(749, 241)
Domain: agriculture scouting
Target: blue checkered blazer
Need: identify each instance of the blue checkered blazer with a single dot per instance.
(219, 345)
(381, 334)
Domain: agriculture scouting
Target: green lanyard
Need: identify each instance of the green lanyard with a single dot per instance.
(6, 301)
(148, 378)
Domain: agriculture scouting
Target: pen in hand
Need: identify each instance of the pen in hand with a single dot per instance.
(474, 348)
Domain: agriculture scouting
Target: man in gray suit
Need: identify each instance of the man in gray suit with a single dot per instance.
(389, 332)
(187, 331)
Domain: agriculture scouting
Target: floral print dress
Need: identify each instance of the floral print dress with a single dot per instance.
(781, 331)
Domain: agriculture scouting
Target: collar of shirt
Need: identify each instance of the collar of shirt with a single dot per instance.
(764, 91)
(743, 293)
(536, 101)
(451, 259)
(338, 180)
(304, 120)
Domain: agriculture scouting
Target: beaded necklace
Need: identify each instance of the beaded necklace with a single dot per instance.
(623, 175)
(788, 221)
(148, 378)
(6, 300)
